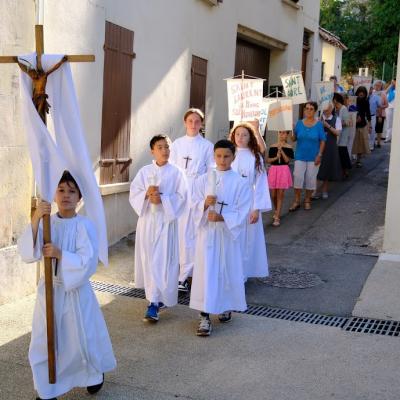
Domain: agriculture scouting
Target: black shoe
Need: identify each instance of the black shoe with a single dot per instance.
(95, 388)
(183, 286)
(225, 317)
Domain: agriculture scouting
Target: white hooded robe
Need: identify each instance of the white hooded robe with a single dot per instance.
(254, 251)
(156, 242)
(218, 282)
(83, 346)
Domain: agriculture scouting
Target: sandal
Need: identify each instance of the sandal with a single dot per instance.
(307, 205)
(295, 206)
(276, 222)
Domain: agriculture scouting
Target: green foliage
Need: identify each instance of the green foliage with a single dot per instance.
(370, 30)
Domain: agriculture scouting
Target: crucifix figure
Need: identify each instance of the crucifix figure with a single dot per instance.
(39, 80)
(187, 160)
(222, 205)
(39, 98)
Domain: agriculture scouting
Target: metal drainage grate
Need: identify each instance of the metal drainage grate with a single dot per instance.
(183, 298)
(298, 316)
(353, 324)
(118, 289)
(376, 326)
(260, 311)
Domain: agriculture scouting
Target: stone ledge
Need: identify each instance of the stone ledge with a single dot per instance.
(291, 4)
(106, 190)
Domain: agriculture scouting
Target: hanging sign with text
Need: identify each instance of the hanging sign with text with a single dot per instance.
(293, 86)
(365, 81)
(280, 115)
(324, 93)
(244, 99)
(262, 121)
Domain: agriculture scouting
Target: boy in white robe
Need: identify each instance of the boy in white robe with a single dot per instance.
(194, 155)
(158, 194)
(83, 346)
(218, 282)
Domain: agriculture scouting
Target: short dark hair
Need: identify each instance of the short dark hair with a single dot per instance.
(68, 179)
(338, 97)
(313, 104)
(225, 144)
(333, 77)
(157, 138)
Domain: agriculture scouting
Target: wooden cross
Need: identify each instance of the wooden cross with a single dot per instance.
(187, 160)
(39, 96)
(222, 205)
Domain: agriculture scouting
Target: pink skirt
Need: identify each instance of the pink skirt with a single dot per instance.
(279, 177)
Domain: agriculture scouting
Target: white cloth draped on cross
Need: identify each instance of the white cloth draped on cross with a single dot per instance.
(65, 149)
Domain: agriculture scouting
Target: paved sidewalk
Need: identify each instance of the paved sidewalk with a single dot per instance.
(251, 358)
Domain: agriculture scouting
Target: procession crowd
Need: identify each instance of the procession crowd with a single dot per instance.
(199, 227)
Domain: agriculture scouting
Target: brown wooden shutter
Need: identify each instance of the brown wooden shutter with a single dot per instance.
(254, 60)
(198, 83)
(116, 118)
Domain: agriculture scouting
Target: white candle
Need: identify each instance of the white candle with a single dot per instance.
(212, 183)
(39, 12)
(153, 182)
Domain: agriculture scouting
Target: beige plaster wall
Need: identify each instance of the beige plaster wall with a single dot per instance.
(391, 243)
(16, 178)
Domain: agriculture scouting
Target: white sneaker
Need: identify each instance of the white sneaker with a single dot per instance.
(324, 196)
(205, 327)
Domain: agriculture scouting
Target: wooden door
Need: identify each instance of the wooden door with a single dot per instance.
(116, 115)
(254, 60)
(198, 83)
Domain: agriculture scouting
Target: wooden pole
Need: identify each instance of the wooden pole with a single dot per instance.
(48, 262)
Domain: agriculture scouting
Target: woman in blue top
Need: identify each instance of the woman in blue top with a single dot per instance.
(310, 136)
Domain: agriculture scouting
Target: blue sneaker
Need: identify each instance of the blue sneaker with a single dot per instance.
(151, 313)
(161, 306)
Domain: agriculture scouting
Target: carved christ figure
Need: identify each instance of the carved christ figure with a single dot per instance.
(39, 81)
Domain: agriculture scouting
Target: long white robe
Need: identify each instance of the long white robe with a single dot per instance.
(254, 251)
(83, 346)
(195, 156)
(217, 284)
(156, 242)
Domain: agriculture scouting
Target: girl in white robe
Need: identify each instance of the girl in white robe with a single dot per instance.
(218, 284)
(249, 164)
(156, 241)
(194, 155)
(83, 347)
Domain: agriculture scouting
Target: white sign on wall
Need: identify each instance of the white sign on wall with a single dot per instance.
(244, 99)
(293, 86)
(280, 115)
